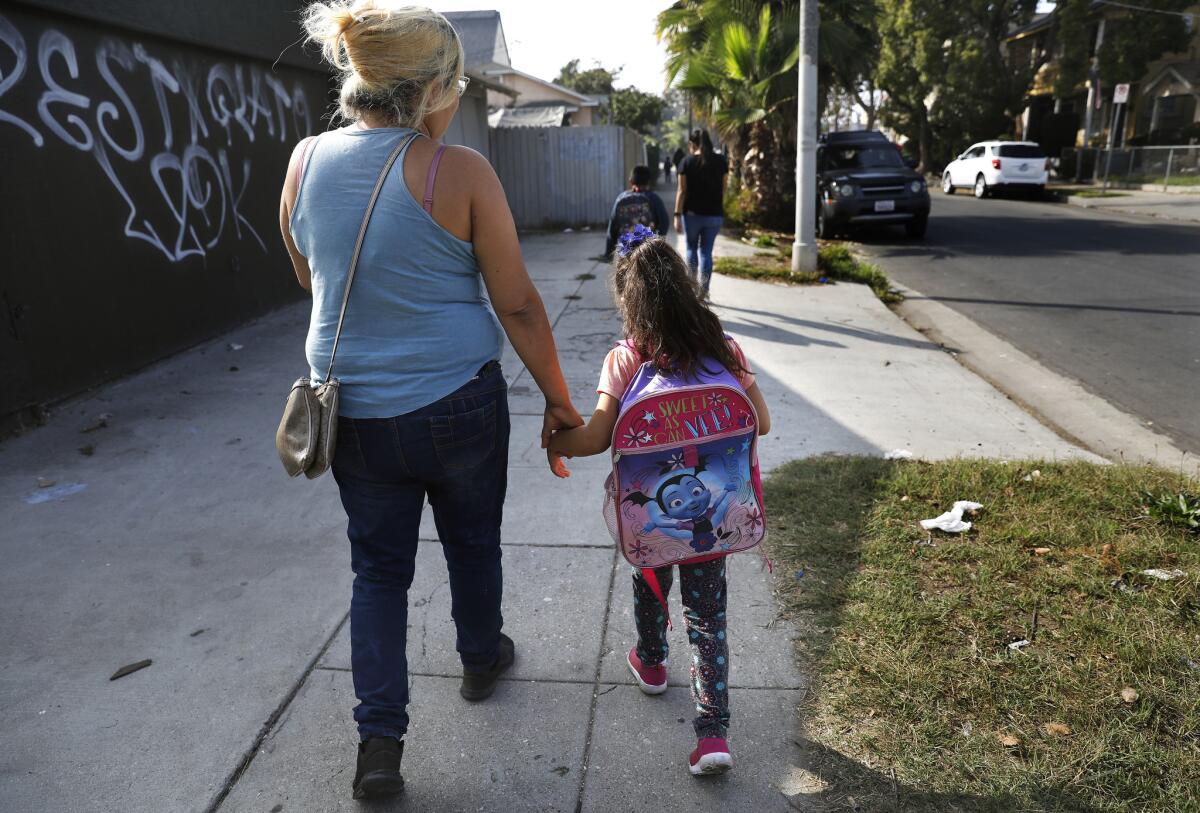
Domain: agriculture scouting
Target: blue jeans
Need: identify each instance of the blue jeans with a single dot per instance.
(701, 232)
(455, 451)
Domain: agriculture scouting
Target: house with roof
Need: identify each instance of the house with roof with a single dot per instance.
(515, 98)
(539, 103)
(1163, 107)
(484, 48)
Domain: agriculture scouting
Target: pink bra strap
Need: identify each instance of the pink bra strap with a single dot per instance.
(307, 144)
(432, 177)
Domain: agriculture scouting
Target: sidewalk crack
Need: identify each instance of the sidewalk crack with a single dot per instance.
(553, 325)
(273, 720)
(596, 693)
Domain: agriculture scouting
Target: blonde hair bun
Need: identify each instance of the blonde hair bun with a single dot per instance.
(401, 61)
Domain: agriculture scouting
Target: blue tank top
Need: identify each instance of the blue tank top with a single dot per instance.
(418, 325)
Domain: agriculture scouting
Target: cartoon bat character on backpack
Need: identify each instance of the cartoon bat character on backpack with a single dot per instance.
(689, 512)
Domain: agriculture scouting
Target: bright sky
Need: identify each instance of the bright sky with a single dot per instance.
(542, 37)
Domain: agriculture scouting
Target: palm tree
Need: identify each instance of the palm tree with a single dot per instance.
(743, 78)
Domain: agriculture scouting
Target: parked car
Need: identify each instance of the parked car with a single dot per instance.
(862, 179)
(995, 165)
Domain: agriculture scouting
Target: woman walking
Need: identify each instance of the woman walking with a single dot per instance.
(424, 410)
(700, 204)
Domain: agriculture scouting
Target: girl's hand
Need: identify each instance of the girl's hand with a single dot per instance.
(557, 465)
(678, 224)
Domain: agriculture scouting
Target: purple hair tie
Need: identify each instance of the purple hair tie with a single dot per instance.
(634, 238)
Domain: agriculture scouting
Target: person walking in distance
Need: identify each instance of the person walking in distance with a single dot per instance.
(700, 205)
(424, 404)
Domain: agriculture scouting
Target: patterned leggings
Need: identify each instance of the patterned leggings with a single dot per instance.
(702, 588)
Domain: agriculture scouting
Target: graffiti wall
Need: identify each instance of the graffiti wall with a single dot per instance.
(140, 182)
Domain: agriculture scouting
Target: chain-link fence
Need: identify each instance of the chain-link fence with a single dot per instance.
(1158, 166)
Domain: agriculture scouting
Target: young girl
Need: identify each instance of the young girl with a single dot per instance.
(666, 320)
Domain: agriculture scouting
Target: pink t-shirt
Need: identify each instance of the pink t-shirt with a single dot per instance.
(622, 363)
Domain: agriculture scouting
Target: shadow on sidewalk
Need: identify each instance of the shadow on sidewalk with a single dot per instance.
(772, 333)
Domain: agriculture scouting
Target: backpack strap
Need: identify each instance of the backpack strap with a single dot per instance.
(431, 178)
(651, 579)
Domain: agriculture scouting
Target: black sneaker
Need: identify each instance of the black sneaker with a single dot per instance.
(378, 772)
(478, 686)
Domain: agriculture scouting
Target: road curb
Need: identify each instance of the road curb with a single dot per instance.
(1062, 404)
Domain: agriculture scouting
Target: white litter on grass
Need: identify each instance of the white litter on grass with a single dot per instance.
(898, 454)
(54, 493)
(1019, 646)
(952, 521)
(236, 346)
(1163, 575)
(568, 230)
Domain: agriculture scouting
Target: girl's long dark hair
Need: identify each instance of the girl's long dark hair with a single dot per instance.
(700, 139)
(665, 319)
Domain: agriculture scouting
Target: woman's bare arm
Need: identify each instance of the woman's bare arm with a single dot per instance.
(679, 194)
(286, 201)
(514, 297)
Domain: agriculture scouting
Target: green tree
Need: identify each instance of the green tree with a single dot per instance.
(741, 75)
(947, 72)
(912, 62)
(636, 110)
(744, 76)
(595, 81)
(1072, 35)
(1133, 39)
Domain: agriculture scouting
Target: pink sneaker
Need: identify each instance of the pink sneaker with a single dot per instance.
(650, 679)
(710, 757)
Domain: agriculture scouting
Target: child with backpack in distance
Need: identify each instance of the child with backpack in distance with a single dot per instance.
(636, 205)
(682, 410)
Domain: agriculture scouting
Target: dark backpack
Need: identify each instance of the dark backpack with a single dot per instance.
(632, 209)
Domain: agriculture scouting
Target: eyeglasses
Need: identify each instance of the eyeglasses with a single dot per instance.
(462, 83)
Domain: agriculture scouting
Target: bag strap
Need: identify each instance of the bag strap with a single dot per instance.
(651, 579)
(362, 233)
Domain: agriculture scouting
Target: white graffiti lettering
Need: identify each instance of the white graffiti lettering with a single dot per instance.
(12, 38)
(200, 186)
(55, 42)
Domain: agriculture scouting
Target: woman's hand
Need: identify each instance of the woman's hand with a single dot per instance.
(678, 224)
(558, 416)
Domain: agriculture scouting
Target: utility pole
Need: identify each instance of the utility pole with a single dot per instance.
(804, 249)
(1094, 101)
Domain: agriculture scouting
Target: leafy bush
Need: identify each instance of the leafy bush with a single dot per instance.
(740, 206)
(1180, 508)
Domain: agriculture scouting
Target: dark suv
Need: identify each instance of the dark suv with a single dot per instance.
(863, 179)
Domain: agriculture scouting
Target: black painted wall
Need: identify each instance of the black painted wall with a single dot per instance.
(142, 148)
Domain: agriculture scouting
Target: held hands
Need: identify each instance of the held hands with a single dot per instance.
(558, 417)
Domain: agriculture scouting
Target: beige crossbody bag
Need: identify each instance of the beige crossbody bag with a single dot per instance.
(307, 434)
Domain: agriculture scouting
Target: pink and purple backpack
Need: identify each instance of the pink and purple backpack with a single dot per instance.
(685, 485)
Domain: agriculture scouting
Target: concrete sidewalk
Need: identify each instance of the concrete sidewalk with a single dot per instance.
(1176, 205)
(179, 539)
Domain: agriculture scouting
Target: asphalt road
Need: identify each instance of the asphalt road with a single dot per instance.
(1110, 300)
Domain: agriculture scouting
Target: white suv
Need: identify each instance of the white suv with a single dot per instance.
(991, 165)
